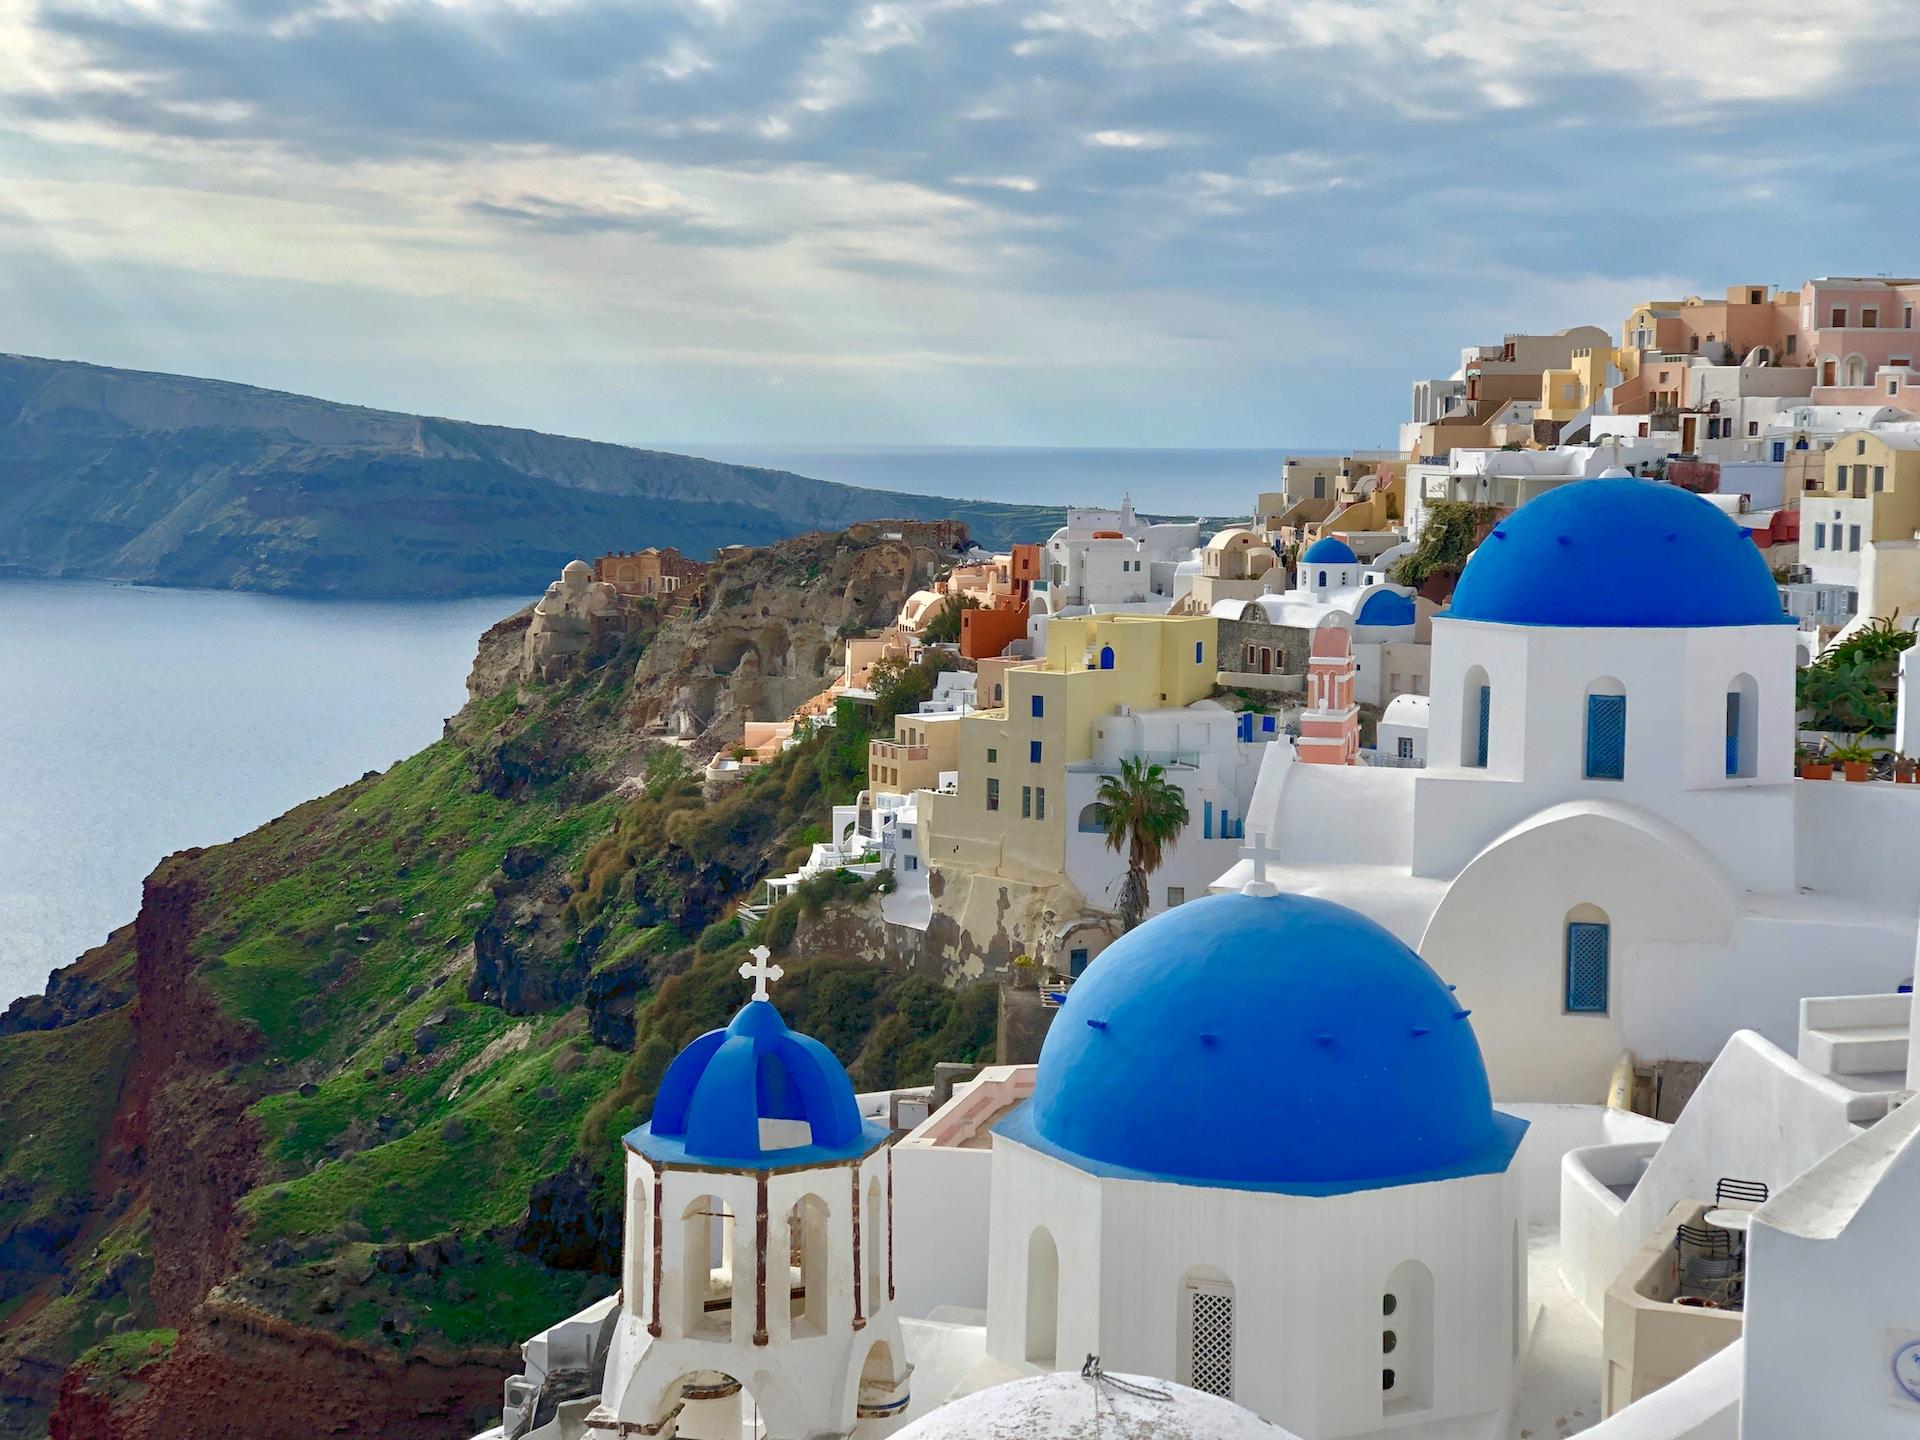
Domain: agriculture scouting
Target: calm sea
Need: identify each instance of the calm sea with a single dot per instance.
(135, 722)
(1217, 483)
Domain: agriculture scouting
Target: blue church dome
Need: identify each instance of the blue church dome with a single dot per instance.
(1275, 1043)
(1329, 550)
(1385, 607)
(719, 1089)
(1618, 553)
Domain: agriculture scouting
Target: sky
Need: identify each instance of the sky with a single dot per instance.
(1010, 222)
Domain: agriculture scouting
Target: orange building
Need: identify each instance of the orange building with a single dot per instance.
(1001, 617)
(649, 572)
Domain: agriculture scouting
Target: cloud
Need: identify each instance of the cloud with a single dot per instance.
(1265, 214)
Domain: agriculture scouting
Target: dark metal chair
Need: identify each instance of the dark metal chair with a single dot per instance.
(1739, 1192)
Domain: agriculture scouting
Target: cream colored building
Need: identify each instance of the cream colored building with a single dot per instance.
(997, 847)
(923, 748)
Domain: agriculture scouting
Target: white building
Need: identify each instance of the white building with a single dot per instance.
(1510, 478)
(1402, 737)
(1607, 850)
(1106, 562)
(1261, 1160)
(1211, 753)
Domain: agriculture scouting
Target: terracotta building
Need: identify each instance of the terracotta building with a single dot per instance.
(649, 572)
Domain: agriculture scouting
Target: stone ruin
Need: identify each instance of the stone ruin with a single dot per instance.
(568, 622)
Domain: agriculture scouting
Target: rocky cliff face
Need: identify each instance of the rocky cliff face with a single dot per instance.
(169, 480)
(334, 1124)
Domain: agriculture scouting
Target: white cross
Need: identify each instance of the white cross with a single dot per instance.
(760, 972)
(1261, 854)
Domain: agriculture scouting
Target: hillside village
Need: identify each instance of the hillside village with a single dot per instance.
(1454, 927)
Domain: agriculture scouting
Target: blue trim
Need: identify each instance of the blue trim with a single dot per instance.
(1106, 657)
(1039, 706)
(1020, 1128)
(1588, 961)
(1733, 732)
(1033, 752)
(1199, 652)
(1486, 727)
(671, 1150)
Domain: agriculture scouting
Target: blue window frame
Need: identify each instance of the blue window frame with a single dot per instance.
(1039, 706)
(1733, 732)
(1106, 657)
(1266, 725)
(1206, 819)
(1606, 737)
(1486, 725)
(1076, 961)
(1033, 752)
(1199, 652)
(1323, 579)
(1588, 942)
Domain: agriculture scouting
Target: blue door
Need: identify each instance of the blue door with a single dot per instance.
(1106, 657)
(1606, 737)
(1733, 732)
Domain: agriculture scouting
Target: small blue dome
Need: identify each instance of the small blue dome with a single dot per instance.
(1329, 550)
(1265, 1043)
(718, 1090)
(1385, 607)
(1618, 553)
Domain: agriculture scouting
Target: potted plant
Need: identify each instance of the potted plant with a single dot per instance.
(1855, 757)
(1813, 764)
(1905, 771)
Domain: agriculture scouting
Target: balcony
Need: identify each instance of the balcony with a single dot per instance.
(893, 751)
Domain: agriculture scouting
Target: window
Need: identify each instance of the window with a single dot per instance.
(1406, 1340)
(1793, 343)
(1403, 747)
(1853, 537)
(1869, 317)
(1206, 1332)
(1840, 477)
(1040, 802)
(1090, 822)
(1106, 657)
(1026, 802)
(1176, 895)
(913, 862)
(1840, 316)
(1319, 487)
(1733, 732)
(993, 755)
(993, 794)
(1879, 477)
(1587, 944)
(1323, 579)
(1860, 447)
(1043, 1298)
(1033, 752)
(1819, 537)
(1039, 706)
(1199, 652)
(1906, 318)
(1076, 961)
(1476, 721)
(1206, 819)
(1606, 735)
(1753, 428)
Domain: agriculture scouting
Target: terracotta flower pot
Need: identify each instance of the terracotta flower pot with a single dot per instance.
(1816, 770)
(1906, 775)
(1856, 770)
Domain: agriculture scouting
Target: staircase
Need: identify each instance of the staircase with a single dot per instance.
(1859, 1040)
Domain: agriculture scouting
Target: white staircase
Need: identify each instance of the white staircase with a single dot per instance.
(1861, 1040)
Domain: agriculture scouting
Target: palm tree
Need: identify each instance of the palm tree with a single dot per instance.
(1143, 813)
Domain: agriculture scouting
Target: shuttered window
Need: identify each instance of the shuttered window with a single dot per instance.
(1486, 724)
(1587, 946)
(1212, 1321)
(1606, 737)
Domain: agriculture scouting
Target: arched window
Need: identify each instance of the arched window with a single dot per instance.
(1476, 719)
(1743, 716)
(1043, 1299)
(1090, 823)
(1323, 579)
(1206, 1331)
(706, 1267)
(1406, 1339)
(1589, 960)
(876, 1259)
(1856, 370)
(1606, 749)
(1829, 371)
(639, 1248)
(808, 1244)
(1106, 657)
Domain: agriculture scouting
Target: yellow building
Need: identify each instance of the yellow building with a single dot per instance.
(997, 847)
(1566, 391)
(922, 748)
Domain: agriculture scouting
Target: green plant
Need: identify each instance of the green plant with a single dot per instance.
(1847, 693)
(944, 627)
(1857, 752)
(1453, 528)
(1142, 813)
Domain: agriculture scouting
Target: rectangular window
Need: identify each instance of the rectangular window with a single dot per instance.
(1040, 802)
(993, 755)
(913, 862)
(1853, 537)
(1486, 718)
(1026, 802)
(1039, 706)
(1206, 819)
(1819, 537)
(1199, 652)
(1587, 945)
(1733, 732)
(1033, 752)
(1840, 316)
(1869, 317)
(1840, 476)
(1176, 895)
(1403, 747)
(1906, 318)
(1076, 961)
(1793, 343)
(1606, 737)
(1879, 477)
(993, 794)
(1753, 427)
(1859, 447)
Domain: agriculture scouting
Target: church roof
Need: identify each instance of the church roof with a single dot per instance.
(1278, 1043)
(1066, 1405)
(1329, 550)
(1616, 553)
(718, 1091)
(1385, 607)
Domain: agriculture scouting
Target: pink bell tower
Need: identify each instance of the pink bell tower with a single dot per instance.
(1330, 725)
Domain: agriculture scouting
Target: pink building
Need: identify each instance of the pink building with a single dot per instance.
(1330, 725)
(1852, 329)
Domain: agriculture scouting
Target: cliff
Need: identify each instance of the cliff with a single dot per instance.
(335, 1123)
(169, 480)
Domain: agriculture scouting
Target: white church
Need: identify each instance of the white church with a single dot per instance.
(1335, 1151)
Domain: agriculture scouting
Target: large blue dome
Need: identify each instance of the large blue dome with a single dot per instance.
(1618, 553)
(719, 1089)
(1265, 1043)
